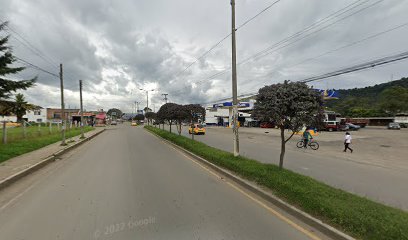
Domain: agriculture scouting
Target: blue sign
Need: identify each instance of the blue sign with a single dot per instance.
(328, 94)
(229, 104)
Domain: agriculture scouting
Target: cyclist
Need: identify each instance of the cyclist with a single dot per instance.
(306, 138)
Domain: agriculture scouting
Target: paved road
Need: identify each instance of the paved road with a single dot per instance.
(357, 173)
(128, 184)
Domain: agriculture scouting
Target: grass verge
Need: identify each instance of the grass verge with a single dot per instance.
(357, 216)
(16, 148)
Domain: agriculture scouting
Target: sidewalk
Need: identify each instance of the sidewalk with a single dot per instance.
(27, 160)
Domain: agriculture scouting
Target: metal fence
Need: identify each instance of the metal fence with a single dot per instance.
(12, 132)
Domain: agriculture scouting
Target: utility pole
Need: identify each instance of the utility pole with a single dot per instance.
(82, 109)
(62, 107)
(147, 98)
(165, 96)
(234, 82)
(137, 107)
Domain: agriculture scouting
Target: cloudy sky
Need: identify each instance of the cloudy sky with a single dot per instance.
(118, 47)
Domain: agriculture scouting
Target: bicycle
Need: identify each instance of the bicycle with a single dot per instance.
(312, 144)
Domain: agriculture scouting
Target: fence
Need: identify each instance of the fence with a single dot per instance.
(17, 132)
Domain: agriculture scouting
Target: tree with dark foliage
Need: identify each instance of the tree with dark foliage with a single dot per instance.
(165, 113)
(290, 105)
(150, 116)
(8, 86)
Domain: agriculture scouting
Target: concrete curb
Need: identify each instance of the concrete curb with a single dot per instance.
(17, 176)
(299, 214)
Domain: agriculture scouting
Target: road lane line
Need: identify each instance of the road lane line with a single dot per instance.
(269, 209)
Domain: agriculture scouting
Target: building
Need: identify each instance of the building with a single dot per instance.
(37, 115)
(221, 114)
(54, 114)
(8, 118)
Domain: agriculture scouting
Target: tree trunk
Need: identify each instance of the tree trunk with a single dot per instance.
(170, 125)
(283, 145)
(179, 129)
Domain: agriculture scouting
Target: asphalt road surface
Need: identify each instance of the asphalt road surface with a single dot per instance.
(369, 172)
(128, 184)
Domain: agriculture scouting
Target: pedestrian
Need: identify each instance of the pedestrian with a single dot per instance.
(347, 142)
(306, 138)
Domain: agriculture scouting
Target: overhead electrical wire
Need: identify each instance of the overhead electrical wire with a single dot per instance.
(326, 19)
(358, 67)
(224, 38)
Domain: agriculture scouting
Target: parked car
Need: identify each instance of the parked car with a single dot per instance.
(403, 125)
(133, 123)
(352, 127)
(332, 126)
(267, 125)
(196, 129)
(394, 126)
(114, 123)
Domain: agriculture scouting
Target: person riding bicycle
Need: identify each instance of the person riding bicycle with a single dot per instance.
(306, 138)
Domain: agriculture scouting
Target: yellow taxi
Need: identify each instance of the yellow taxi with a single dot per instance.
(133, 123)
(196, 129)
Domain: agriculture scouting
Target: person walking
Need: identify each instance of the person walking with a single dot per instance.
(347, 142)
(306, 138)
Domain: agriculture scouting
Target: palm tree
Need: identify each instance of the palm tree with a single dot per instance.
(20, 107)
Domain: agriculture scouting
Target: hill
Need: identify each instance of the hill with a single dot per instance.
(384, 99)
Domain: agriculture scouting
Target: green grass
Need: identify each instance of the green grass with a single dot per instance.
(358, 216)
(34, 142)
(17, 133)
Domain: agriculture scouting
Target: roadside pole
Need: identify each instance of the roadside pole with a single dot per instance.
(63, 123)
(82, 109)
(24, 129)
(234, 83)
(4, 133)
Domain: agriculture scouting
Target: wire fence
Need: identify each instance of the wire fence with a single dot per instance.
(13, 132)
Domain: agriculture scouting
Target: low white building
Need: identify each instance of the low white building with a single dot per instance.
(38, 116)
(8, 118)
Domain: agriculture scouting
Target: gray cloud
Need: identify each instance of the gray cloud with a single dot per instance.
(117, 47)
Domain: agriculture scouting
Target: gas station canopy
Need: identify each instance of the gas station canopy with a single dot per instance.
(229, 105)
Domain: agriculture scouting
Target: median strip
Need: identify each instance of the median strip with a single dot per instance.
(358, 216)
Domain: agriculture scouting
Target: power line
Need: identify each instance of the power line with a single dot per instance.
(224, 38)
(358, 67)
(347, 45)
(21, 39)
(287, 40)
(26, 43)
(362, 66)
(257, 15)
(36, 67)
(320, 22)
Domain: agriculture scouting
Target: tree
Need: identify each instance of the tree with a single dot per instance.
(114, 112)
(146, 109)
(8, 86)
(196, 112)
(139, 117)
(20, 107)
(394, 100)
(150, 116)
(165, 113)
(290, 105)
(180, 114)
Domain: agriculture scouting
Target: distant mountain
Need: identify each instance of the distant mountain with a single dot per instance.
(379, 100)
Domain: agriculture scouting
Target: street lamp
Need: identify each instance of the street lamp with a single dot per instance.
(147, 97)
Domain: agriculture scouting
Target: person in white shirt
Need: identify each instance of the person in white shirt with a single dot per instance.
(347, 142)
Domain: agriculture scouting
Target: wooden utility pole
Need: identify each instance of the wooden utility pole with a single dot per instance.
(4, 132)
(234, 83)
(63, 123)
(82, 109)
